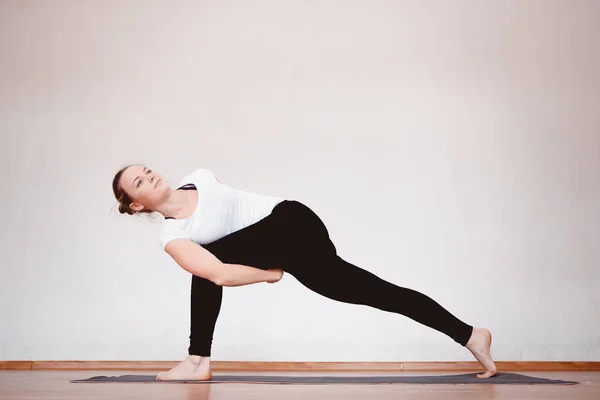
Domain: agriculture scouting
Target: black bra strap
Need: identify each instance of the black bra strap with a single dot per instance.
(189, 186)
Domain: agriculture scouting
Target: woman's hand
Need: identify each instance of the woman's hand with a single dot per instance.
(277, 275)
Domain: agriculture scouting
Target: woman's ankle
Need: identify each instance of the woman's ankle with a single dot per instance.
(195, 359)
(199, 359)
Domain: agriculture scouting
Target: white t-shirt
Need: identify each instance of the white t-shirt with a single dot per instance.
(221, 210)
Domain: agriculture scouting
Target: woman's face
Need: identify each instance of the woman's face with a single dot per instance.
(146, 187)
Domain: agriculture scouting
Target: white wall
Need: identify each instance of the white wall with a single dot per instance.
(451, 147)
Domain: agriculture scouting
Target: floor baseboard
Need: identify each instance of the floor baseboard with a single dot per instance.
(305, 366)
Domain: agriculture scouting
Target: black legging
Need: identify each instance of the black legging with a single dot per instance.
(295, 239)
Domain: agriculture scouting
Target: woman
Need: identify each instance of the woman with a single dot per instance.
(229, 237)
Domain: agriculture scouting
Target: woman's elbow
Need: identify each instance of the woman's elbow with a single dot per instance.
(219, 281)
(215, 275)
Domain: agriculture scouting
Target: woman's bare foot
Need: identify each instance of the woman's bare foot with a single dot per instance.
(192, 368)
(479, 344)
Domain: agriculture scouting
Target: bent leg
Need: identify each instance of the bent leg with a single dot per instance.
(205, 306)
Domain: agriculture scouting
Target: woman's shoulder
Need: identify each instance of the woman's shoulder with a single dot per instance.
(199, 175)
(172, 224)
(170, 229)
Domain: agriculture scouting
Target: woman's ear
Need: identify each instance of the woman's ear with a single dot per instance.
(137, 207)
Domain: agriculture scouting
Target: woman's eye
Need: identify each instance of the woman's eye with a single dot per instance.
(139, 182)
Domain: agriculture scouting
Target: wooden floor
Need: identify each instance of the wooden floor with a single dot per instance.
(53, 384)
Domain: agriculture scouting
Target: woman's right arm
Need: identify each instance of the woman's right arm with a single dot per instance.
(200, 262)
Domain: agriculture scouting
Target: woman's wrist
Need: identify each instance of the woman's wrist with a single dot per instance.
(239, 275)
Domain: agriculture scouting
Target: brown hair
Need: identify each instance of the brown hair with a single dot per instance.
(122, 197)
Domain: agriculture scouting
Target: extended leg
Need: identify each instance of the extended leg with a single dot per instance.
(340, 280)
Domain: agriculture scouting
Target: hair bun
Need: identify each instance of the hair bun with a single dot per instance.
(124, 209)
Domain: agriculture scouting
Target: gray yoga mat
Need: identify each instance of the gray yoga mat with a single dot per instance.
(499, 378)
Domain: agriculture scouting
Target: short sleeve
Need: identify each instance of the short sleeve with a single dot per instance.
(170, 232)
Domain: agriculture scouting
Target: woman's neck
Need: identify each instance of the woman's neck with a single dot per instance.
(181, 204)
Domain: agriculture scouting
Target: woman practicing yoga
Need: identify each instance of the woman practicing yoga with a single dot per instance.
(230, 237)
